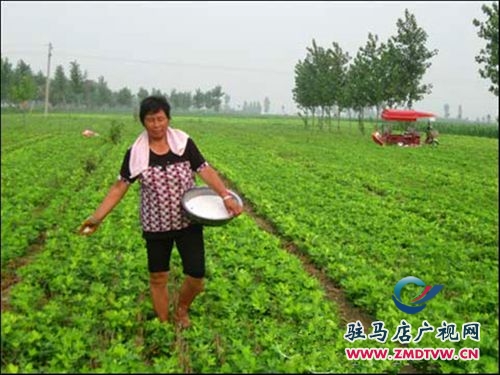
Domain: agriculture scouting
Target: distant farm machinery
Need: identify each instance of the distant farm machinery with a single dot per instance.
(411, 136)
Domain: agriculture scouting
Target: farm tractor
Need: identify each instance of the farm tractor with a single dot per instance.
(410, 137)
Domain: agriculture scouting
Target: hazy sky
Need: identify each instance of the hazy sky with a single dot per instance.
(249, 48)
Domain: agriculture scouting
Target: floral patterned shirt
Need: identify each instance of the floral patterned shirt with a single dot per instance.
(163, 184)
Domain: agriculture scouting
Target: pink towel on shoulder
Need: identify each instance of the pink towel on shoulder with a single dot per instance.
(139, 154)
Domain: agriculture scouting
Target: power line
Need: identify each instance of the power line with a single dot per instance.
(70, 54)
(22, 51)
(23, 44)
(167, 63)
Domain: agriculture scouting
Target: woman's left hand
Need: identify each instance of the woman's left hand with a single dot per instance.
(233, 207)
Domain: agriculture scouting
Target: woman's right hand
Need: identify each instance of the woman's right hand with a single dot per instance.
(89, 226)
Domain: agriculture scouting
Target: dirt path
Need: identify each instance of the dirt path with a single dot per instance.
(348, 312)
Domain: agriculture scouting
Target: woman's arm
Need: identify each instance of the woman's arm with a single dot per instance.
(114, 196)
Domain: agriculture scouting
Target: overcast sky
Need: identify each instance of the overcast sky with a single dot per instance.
(249, 48)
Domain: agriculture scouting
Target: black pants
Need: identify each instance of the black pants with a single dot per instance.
(189, 243)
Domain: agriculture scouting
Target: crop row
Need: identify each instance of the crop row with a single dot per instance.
(32, 178)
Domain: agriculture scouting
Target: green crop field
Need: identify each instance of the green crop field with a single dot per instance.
(361, 215)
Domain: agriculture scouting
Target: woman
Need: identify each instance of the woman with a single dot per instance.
(164, 159)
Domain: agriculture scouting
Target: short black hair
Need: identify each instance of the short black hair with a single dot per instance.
(153, 104)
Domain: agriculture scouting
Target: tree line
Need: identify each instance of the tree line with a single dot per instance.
(76, 91)
(382, 74)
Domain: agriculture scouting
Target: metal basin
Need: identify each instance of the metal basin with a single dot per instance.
(204, 206)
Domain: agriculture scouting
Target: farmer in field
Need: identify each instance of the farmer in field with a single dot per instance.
(431, 135)
(164, 160)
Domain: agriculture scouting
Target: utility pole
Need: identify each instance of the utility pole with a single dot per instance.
(47, 83)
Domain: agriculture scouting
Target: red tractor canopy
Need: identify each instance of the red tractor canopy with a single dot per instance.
(404, 115)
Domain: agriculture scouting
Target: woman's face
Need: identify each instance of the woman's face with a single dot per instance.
(156, 124)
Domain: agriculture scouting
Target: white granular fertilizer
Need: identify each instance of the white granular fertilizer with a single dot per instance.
(208, 207)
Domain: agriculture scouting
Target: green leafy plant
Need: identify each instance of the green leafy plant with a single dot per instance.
(115, 131)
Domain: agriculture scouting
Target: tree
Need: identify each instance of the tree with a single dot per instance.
(104, 94)
(7, 79)
(391, 75)
(23, 88)
(446, 110)
(142, 94)
(327, 74)
(267, 104)
(252, 108)
(198, 99)
(180, 100)
(59, 87)
(156, 92)
(214, 98)
(337, 79)
(40, 79)
(124, 97)
(323, 94)
(303, 90)
(366, 78)
(412, 59)
(308, 88)
(76, 82)
(488, 56)
(258, 108)
(90, 94)
(227, 99)
(320, 82)
(174, 99)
